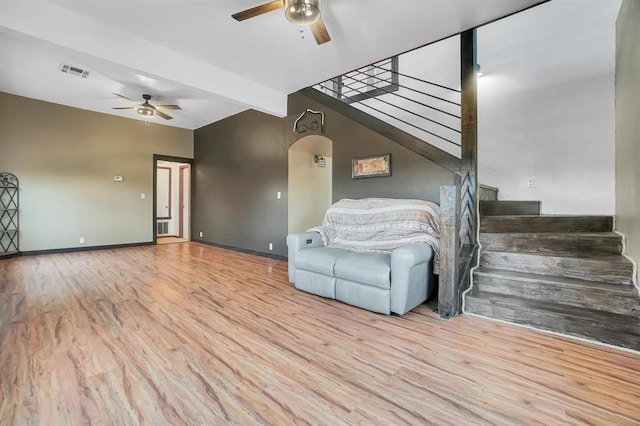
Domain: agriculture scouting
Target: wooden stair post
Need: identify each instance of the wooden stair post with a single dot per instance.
(459, 203)
(469, 149)
(449, 280)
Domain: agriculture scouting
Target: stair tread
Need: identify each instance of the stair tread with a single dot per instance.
(546, 223)
(598, 319)
(576, 283)
(553, 243)
(511, 207)
(510, 201)
(609, 268)
(605, 234)
(553, 216)
(609, 258)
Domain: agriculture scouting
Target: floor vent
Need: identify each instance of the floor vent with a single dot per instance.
(70, 69)
(162, 228)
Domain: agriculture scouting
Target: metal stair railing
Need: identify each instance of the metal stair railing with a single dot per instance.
(379, 88)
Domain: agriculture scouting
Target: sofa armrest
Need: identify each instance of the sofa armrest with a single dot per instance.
(297, 242)
(411, 276)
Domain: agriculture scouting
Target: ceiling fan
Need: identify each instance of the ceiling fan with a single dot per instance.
(301, 12)
(147, 110)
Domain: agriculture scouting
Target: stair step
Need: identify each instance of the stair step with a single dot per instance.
(610, 269)
(606, 327)
(616, 298)
(547, 223)
(500, 208)
(486, 192)
(566, 243)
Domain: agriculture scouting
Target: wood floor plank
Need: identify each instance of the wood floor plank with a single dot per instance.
(193, 334)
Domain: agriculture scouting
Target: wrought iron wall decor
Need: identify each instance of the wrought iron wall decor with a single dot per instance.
(303, 127)
(9, 221)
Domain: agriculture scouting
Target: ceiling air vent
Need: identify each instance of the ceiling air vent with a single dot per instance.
(70, 69)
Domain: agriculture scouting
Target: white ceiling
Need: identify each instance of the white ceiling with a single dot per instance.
(192, 53)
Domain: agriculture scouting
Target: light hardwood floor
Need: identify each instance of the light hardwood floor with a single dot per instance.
(192, 334)
(171, 240)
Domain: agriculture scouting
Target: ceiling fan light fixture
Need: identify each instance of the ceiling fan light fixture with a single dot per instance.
(302, 12)
(146, 111)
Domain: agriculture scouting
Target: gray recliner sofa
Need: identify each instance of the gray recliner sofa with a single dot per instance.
(394, 277)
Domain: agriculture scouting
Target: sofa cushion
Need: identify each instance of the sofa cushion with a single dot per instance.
(364, 296)
(315, 283)
(318, 259)
(368, 268)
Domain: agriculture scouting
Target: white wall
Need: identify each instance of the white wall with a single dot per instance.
(546, 103)
(628, 127)
(310, 187)
(546, 106)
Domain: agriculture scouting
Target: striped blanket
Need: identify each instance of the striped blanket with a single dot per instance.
(381, 225)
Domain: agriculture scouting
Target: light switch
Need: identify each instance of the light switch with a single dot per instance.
(143, 195)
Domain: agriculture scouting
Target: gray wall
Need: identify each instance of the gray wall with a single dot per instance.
(65, 159)
(628, 126)
(241, 163)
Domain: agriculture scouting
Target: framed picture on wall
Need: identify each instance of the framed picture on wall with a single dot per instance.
(373, 166)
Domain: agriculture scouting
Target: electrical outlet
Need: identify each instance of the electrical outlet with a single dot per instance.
(270, 246)
(81, 240)
(279, 195)
(201, 234)
(531, 183)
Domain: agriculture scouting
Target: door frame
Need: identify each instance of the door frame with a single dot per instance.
(181, 226)
(154, 219)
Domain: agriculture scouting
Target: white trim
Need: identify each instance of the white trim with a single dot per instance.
(634, 278)
(555, 333)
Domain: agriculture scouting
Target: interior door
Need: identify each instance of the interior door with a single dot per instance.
(163, 193)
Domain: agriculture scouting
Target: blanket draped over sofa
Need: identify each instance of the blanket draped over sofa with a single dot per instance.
(381, 225)
(377, 254)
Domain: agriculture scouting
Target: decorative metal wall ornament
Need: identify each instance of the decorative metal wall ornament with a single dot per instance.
(8, 180)
(299, 127)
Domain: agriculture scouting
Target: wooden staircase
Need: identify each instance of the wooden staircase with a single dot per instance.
(560, 273)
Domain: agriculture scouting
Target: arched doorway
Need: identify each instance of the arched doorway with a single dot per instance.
(310, 183)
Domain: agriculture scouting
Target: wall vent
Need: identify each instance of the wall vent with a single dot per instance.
(162, 228)
(70, 69)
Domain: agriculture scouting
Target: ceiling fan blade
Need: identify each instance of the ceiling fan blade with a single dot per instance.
(167, 106)
(258, 10)
(123, 108)
(163, 115)
(124, 97)
(320, 32)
